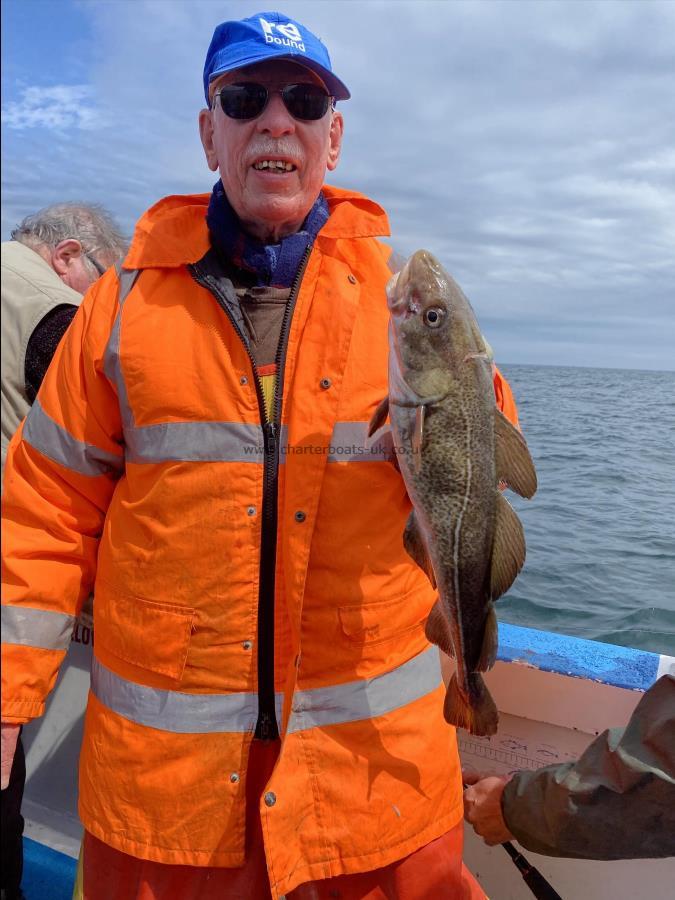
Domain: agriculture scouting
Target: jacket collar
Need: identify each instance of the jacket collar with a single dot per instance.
(36, 271)
(173, 232)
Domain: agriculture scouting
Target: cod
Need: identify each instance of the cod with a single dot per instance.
(455, 451)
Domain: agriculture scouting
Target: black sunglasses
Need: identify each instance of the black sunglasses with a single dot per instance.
(307, 102)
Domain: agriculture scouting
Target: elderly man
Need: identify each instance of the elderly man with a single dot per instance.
(266, 714)
(53, 257)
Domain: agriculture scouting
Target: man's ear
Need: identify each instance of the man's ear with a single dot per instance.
(206, 134)
(63, 254)
(335, 140)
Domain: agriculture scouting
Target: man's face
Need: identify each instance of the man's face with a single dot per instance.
(76, 268)
(270, 203)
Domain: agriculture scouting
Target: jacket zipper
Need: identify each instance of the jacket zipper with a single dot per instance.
(266, 726)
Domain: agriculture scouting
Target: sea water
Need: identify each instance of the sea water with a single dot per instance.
(600, 530)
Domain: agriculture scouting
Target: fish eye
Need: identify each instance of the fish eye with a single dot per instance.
(434, 316)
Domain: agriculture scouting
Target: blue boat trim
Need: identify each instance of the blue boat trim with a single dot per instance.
(46, 872)
(621, 667)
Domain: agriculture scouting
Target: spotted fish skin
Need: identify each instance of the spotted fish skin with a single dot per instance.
(453, 448)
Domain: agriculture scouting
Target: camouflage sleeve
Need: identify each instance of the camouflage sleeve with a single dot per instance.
(616, 802)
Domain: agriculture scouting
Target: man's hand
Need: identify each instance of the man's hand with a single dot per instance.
(10, 735)
(483, 807)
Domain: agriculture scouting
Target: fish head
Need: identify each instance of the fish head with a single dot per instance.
(433, 329)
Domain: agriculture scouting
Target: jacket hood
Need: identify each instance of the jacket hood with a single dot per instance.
(173, 232)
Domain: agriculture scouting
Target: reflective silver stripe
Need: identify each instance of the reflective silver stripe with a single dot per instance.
(53, 441)
(221, 441)
(206, 713)
(126, 280)
(194, 442)
(369, 698)
(174, 441)
(350, 443)
(36, 627)
(240, 442)
(112, 365)
(172, 710)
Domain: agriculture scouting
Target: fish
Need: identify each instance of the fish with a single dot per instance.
(456, 451)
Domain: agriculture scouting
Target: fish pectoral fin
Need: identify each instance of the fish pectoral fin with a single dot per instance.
(488, 653)
(508, 547)
(379, 417)
(437, 630)
(512, 458)
(416, 548)
(476, 711)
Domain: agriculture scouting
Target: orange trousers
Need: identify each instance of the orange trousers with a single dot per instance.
(434, 872)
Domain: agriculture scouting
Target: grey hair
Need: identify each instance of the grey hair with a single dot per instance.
(89, 224)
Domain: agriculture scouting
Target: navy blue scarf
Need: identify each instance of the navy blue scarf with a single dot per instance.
(274, 265)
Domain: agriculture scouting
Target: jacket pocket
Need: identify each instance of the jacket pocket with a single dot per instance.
(150, 635)
(369, 623)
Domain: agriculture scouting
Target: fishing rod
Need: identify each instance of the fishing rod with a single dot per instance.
(532, 877)
(540, 887)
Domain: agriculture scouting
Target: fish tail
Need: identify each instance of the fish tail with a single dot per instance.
(476, 711)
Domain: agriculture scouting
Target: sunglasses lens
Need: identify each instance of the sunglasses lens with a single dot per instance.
(243, 101)
(248, 100)
(306, 101)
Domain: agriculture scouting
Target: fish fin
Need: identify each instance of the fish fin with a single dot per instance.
(513, 461)
(488, 653)
(416, 548)
(437, 630)
(379, 417)
(418, 436)
(477, 712)
(508, 548)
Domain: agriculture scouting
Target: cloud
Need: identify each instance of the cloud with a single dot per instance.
(59, 107)
(528, 145)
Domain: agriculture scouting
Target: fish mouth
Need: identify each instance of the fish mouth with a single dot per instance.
(423, 264)
(422, 276)
(395, 301)
(402, 298)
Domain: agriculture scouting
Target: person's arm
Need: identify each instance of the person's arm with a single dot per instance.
(42, 346)
(40, 351)
(616, 802)
(10, 737)
(61, 470)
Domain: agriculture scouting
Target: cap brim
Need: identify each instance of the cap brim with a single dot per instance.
(336, 88)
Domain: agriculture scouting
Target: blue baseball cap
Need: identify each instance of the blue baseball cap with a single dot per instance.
(268, 35)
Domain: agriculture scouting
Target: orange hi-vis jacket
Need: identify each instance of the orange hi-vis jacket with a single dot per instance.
(146, 467)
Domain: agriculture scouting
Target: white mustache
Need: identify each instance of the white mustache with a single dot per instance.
(274, 149)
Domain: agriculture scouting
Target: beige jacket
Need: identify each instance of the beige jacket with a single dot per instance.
(30, 289)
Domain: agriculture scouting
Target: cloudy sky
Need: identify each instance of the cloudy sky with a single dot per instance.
(530, 145)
